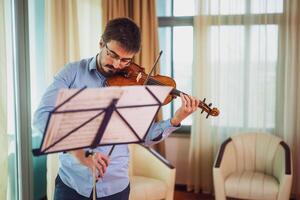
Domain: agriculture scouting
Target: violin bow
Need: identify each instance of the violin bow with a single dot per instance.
(154, 66)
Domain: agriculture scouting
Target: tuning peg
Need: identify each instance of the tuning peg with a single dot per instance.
(204, 100)
(207, 115)
(202, 111)
(209, 105)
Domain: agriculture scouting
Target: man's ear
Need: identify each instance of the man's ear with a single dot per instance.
(101, 44)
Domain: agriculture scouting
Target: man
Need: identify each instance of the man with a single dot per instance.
(119, 43)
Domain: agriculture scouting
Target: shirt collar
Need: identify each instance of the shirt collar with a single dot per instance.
(93, 66)
(93, 63)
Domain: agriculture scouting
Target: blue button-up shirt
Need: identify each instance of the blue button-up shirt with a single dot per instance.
(73, 174)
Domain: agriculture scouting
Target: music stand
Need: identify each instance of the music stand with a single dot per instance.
(92, 117)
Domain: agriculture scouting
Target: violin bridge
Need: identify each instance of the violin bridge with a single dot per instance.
(138, 77)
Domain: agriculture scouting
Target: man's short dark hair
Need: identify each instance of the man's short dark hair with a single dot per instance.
(124, 31)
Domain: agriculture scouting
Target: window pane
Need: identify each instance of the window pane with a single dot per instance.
(164, 8)
(227, 7)
(183, 59)
(245, 61)
(228, 71)
(37, 57)
(165, 61)
(266, 6)
(262, 76)
(237, 7)
(184, 8)
(165, 46)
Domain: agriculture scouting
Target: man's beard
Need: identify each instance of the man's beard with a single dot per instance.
(108, 70)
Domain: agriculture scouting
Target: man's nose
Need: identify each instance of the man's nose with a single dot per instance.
(117, 63)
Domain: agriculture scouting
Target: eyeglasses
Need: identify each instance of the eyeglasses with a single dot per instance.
(115, 56)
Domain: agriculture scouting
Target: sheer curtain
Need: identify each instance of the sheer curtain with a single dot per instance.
(3, 107)
(288, 114)
(246, 55)
(73, 30)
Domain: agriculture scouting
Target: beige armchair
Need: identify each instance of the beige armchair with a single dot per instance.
(151, 176)
(253, 166)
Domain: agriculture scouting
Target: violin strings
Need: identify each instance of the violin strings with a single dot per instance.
(155, 82)
(150, 79)
(174, 91)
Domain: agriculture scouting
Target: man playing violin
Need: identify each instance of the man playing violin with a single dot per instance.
(120, 41)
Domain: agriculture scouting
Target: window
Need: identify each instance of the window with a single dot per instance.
(256, 39)
(176, 22)
(251, 59)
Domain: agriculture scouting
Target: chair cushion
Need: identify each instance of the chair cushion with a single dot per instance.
(251, 185)
(147, 188)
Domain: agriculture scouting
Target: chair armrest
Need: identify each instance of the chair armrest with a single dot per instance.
(225, 164)
(282, 170)
(282, 161)
(226, 158)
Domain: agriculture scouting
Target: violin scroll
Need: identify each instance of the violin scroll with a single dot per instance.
(207, 108)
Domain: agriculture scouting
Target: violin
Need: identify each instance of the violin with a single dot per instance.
(135, 75)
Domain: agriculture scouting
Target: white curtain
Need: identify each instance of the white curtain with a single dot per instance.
(3, 107)
(73, 32)
(246, 63)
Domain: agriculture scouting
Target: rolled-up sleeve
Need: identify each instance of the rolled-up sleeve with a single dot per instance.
(159, 131)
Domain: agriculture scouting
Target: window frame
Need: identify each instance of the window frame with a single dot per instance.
(171, 22)
(22, 98)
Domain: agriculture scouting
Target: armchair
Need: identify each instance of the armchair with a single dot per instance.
(253, 166)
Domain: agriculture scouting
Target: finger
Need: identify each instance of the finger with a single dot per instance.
(188, 101)
(103, 165)
(104, 158)
(99, 170)
(96, 165)
(92, 165)
(192, 99)
(195, 105)
(183, 101)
